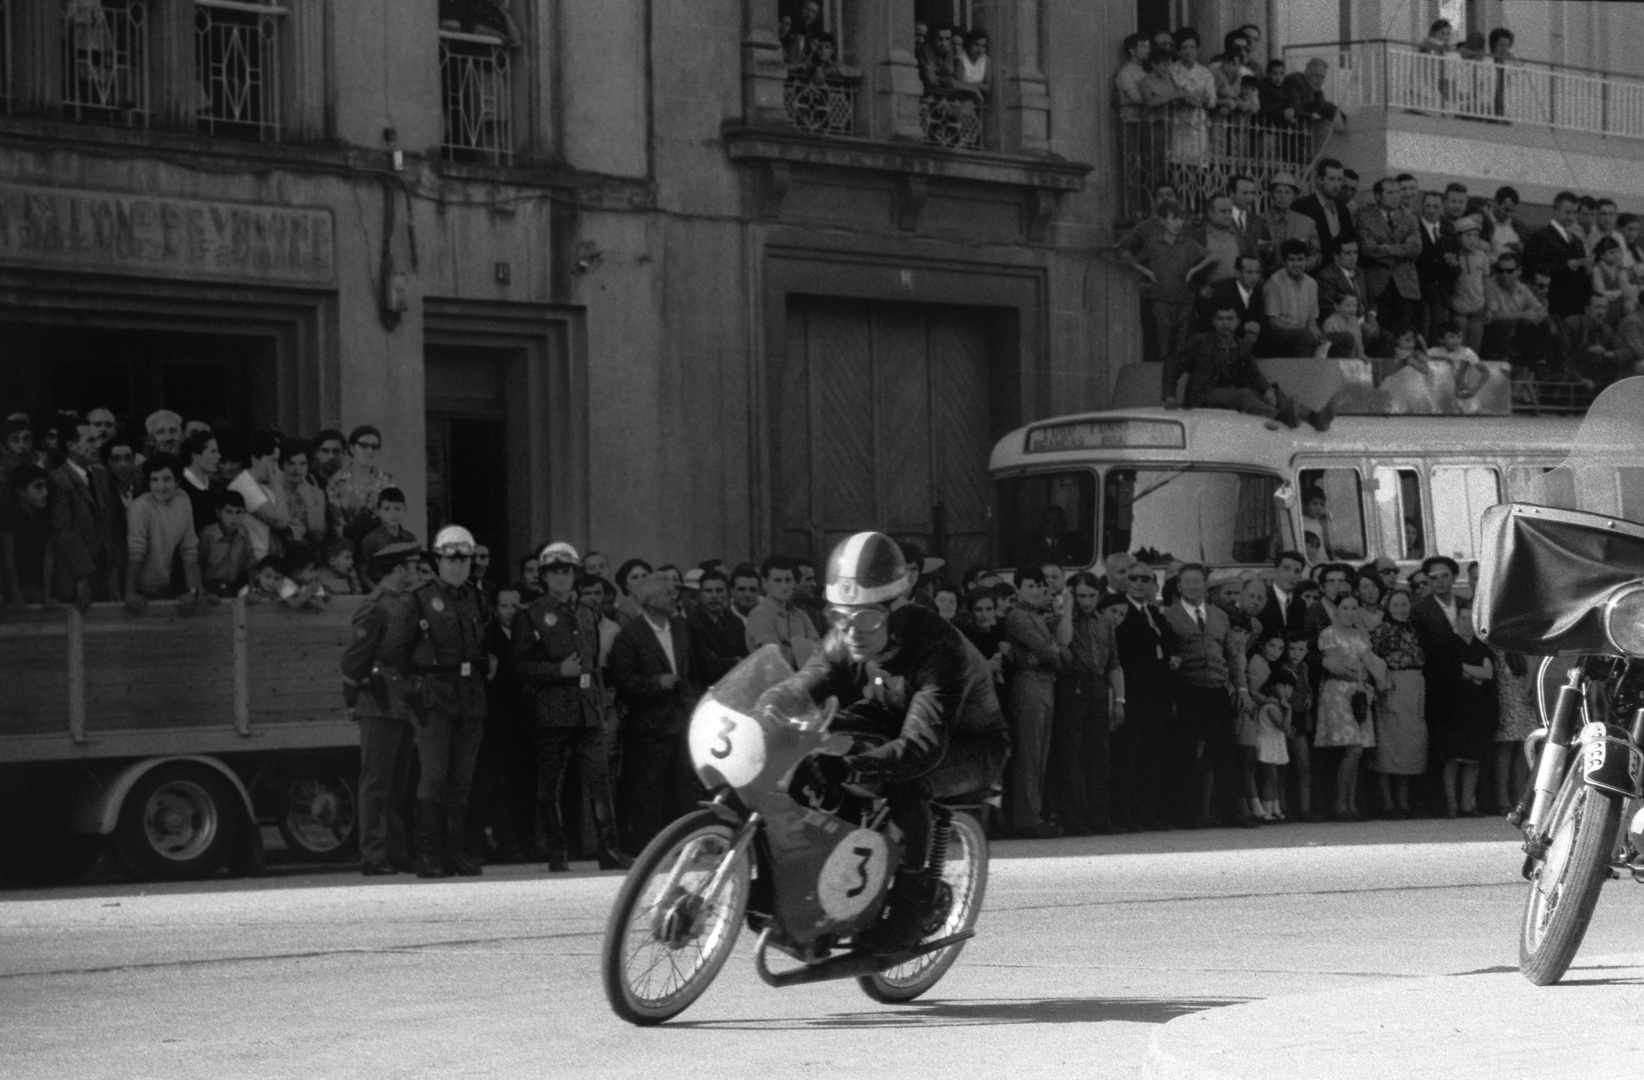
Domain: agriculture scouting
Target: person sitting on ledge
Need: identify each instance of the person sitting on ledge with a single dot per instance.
(1222, 374)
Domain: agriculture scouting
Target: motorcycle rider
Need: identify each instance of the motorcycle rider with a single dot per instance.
(901, 670)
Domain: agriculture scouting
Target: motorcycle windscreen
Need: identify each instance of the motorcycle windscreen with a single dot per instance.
(1545, 574)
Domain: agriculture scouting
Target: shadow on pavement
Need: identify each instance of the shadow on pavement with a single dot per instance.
(988, 1013)
(1294, 835)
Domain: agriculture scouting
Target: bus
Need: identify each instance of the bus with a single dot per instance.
(1220, 488)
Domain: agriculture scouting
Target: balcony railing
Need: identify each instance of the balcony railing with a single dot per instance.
(237, 63)
(1196, 155)
(822, 108)
(105, 61)
(1395, 75)
(477, 84)
(951, 118)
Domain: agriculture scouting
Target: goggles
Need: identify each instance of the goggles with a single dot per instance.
(859, 620)
(455, 551)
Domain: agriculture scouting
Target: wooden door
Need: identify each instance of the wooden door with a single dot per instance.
(884, 420)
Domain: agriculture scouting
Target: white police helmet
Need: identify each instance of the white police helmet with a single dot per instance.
(454, 540)
(867, 568)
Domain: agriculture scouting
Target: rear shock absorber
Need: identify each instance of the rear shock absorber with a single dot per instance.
(940, 837)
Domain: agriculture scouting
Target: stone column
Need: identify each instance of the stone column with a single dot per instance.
(1019, 50)
(305, 101)
(763, 71)
(882, 38)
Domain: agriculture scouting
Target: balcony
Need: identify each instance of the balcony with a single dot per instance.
(820, 107)
(1540, 127)
(1196, 154)
(105, 62)
(952, 118)
(477, 86)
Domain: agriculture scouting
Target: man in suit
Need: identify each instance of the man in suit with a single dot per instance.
(555, 651)
(1281, 222)
(1437, 265)
(1284, 612)
(1144, 642)
(1243, 293)
(1434, 619)
(1390, 243)
(1209, 685)
(87, 521)
(1559, 252)
(651, 667)
(1246, 222)
(718, 638)
(1344, 278)
(1332, 218)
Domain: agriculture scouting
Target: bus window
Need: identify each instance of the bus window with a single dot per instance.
(1048, 518)
(1213, 516)
(1524, 482)
(1332, 515)
(1398, 512)
(1461, 494)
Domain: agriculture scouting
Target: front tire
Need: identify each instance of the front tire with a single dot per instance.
(320, 818)
(1564, 887)
(179, 821)
(965, 873)
(665, 943)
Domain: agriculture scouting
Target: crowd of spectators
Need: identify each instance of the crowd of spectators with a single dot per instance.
(1421, 283)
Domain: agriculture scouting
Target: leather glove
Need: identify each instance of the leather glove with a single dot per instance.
(820, 780)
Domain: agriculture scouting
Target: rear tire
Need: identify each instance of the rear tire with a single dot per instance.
(648, 929)
(179, 821)
(320, 817)
(965, 873)
(1564, 887)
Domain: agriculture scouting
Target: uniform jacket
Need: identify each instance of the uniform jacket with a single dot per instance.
(87, 524)
(637, 664)
(548, 632)
(1389, 243)
(376, 664)
(452, 622)
(934, 688)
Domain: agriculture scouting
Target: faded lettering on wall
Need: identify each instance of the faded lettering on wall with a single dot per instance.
(107, 231)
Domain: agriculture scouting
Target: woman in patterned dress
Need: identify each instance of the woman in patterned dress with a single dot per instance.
(1350, 667)
(1516, 689)
(1401, 726)
(354, 490)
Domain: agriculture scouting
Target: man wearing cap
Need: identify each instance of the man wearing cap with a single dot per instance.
(900, 670)
(449, 665)
(375, 668)
(556, 657)
(1280, 223)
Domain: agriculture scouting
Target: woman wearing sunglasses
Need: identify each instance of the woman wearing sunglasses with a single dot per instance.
(902, 671)
(355, 488)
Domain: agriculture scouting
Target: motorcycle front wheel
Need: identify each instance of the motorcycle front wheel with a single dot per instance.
(1564, 886)
(965, 873)
(666, 941)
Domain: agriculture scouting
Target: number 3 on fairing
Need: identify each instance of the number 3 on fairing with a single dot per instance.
(864, 855)
(722, 748)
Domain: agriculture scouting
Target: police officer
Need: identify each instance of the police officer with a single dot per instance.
(450, 665)
(556, 656)
(375, 667)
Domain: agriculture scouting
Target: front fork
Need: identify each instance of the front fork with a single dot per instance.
(1568, 715)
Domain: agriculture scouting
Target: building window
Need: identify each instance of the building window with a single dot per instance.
(819, 95)
(105, 61)
(237, 66)
(955, 68)
(476, 81)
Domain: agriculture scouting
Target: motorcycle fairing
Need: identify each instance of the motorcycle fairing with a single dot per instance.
(1545, 574)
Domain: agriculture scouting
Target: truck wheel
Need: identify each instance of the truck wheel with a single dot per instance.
(179, 821)
(320, 819)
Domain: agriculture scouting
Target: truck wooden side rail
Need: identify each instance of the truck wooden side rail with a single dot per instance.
(168, 739)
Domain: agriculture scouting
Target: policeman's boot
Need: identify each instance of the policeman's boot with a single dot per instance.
(611, 856)
(430, 839)
(457, 860)
(911, 903)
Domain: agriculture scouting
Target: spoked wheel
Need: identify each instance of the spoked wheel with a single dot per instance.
(965, 878)
(320, 819)
(666, 940)
(1564, 887)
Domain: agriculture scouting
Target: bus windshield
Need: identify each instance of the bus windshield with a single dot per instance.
(1214, 516)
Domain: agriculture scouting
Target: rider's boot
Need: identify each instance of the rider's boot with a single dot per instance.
(912, 897)
(430, 839)
(457, 858)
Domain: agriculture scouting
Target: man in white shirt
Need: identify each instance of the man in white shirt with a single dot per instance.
(262, 512)
(775, 621)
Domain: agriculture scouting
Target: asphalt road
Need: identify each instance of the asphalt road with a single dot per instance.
(1085, 948)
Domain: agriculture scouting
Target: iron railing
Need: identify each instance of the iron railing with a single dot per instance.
(476, 81)
(825, 107)
(1196, 155)
(951, 118)
(105, 62)
(1394, 75)
(237, 65)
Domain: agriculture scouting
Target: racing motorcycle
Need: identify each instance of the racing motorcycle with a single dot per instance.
(805, 869)
(1562, 577)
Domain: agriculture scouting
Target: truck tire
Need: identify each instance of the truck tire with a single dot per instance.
(180, 820)
(319, 817)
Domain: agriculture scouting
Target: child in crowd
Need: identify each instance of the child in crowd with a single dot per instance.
(337, 575)
(25, 537)
(1300, 737)
(1467, 301)
(1344, 321)
(391, 511)
(225, 549)
(266, 578)
(1252, 727)
(300, 587)
(1469, 373)
(1276, 717)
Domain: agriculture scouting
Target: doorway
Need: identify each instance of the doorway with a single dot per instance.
(468, 474)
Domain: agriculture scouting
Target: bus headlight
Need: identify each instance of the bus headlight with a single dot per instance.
(1624, 619)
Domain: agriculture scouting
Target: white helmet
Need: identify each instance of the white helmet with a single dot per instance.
(558, 553)
(867, 568)
(454, 540)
